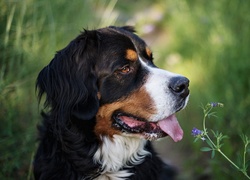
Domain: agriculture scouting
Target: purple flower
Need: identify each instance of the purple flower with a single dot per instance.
(196, 132)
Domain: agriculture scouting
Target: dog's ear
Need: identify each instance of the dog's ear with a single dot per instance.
(69, 81)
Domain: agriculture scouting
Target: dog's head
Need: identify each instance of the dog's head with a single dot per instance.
(108, 77)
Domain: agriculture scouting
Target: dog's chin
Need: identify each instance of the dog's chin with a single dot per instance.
(131, 125)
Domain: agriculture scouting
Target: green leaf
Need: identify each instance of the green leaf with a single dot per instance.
(213, 154)
(220, 145)
(245, 139)
(216, 134)
(196, 139)
(205, 149)
(224, 137)
(209, 143)
(212, 114)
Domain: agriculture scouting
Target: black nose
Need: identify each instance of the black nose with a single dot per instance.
(179, 86)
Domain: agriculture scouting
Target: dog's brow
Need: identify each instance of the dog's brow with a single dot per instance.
(131, 55)
(149, 52)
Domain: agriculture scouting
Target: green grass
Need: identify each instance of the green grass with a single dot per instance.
(32, 31)
(207, 41)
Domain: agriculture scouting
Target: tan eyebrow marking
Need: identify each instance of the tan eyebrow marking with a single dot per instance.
(131, 55)
(149, 52)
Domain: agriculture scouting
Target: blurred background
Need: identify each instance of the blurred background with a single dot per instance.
(207, 41)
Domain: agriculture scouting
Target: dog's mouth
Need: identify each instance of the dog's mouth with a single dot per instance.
(149, 130)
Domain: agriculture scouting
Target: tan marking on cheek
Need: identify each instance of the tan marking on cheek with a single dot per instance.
(131, 55)
(138, 104)
(104, 121)
(149, 52)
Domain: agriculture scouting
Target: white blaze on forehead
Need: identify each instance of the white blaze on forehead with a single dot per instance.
(157, 87)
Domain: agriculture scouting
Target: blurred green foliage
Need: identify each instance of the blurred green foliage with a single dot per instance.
(207, 41)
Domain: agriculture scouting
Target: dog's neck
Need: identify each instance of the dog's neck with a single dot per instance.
(119, 152)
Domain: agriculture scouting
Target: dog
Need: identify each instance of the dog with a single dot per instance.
(105, 102)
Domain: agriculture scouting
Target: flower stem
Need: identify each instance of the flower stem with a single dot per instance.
(244, 169)
(228, 159)
(217, 148)
(206, 112)
(237, 167)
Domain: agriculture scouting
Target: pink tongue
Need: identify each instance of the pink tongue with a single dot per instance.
(171, 126)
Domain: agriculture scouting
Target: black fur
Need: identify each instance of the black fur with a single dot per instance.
(71, 82)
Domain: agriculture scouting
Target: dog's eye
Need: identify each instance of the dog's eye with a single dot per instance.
(125, 69)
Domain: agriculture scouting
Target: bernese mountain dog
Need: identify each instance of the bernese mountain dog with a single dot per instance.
(105, 101)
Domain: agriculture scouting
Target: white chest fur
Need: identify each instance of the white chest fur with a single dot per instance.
(117, 153)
